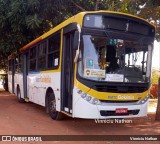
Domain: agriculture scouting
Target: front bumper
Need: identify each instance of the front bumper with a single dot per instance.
(84, 109)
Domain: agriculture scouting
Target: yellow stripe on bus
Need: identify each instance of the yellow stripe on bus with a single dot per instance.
(106, 95)
(50, 71)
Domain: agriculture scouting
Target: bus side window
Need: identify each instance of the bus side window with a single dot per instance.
(54, 51)
(32, 55)
(16, 64)
(42, 55)
(10, 66)
(21, 63)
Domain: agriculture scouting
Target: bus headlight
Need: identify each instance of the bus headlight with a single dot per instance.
(88, 98)
(144, 100)
(79, 91)
(96, 101)
(83, 95)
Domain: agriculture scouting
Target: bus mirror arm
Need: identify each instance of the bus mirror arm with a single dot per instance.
(76, 42)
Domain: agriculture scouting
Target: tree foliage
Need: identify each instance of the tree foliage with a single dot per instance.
(23, 20)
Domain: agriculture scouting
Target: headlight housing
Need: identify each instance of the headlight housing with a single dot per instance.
(144, 100)
(88, 98)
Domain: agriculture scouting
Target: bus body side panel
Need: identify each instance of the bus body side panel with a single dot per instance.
(18, 81)
(39, 82)
(10, 83)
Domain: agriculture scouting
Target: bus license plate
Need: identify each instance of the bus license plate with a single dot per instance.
(121, 110)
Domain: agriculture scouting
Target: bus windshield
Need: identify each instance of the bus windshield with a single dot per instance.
(114, 60)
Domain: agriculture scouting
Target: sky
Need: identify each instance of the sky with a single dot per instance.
(156, 55)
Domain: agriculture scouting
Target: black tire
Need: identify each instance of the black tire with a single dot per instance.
(54, 114)
(5, 86)
(20, 100)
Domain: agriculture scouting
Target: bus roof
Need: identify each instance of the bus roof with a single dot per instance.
(76, 18)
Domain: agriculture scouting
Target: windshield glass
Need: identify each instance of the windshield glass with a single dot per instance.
(114, 60)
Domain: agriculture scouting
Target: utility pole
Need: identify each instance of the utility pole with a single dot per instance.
(157, 118)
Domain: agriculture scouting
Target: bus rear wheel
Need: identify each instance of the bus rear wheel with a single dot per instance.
(19, 96)
(54, 114)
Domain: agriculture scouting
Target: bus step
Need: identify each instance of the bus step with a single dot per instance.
(26, 99)
(66, 113)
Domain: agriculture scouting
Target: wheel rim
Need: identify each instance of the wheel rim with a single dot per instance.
(53, 106)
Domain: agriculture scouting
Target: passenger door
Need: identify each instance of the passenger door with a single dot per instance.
(67, 76)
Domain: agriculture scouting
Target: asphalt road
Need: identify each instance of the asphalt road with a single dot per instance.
(31, 119)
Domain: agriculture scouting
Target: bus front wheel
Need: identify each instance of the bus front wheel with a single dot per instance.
(54, 114)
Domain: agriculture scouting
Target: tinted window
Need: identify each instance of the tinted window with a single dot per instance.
(53, 51)
(42, 55)
(16, 60)
(21, 63)
(32, 54)
(119, 22)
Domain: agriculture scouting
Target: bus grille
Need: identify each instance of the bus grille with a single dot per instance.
(120, 89)
(112, 101)
(113, 113)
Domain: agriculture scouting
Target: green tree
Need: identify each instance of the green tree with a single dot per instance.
(21, 21)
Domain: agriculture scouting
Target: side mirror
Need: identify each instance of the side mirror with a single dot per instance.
(76, 40)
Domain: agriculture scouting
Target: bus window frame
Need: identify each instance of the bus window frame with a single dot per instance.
(36, 46)
(55, 35)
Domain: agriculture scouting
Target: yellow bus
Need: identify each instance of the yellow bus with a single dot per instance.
(94, 65)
